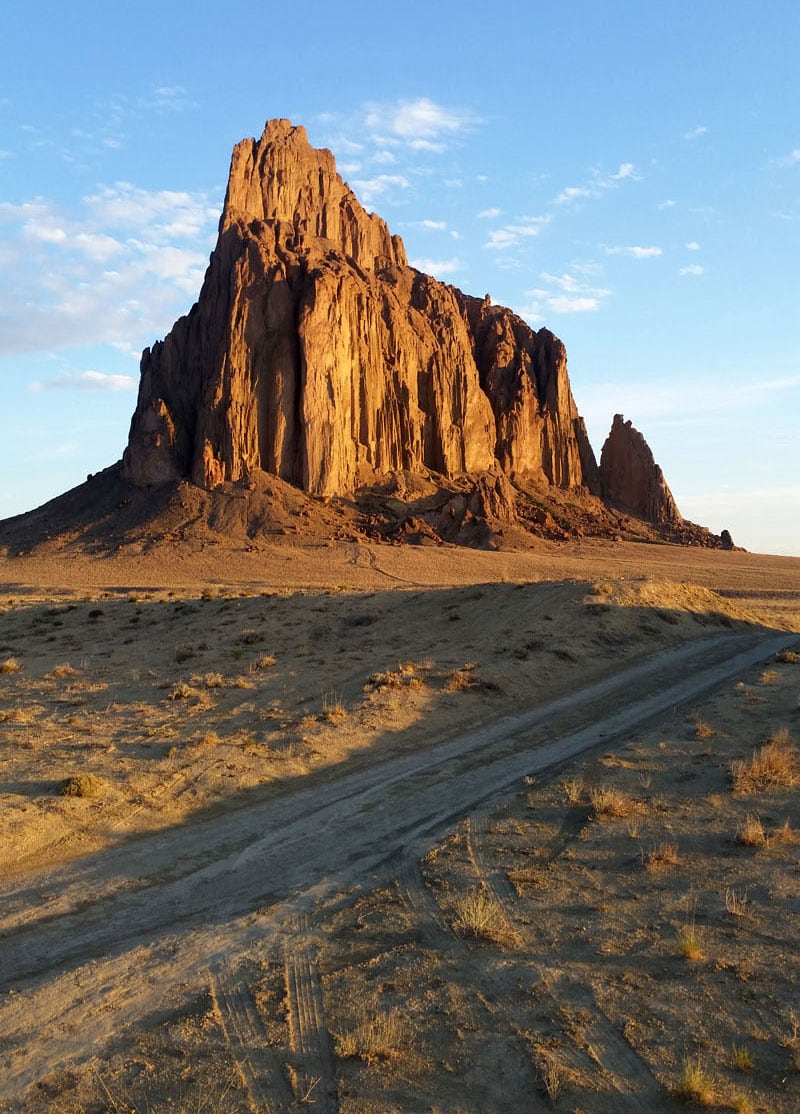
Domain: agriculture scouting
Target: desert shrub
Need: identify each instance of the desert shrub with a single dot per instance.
(702, 728)
(609, 803)
(770, 677)
(266, 661)
(10, 665)
(82, 785)
(602, 588)
(661, 856)
(787, 657)
(381, 1037)
(694, 1084)
(479, 915)
(213, 680)
(742, 1058)
(774, 765)
(735, 902)
(250, 637)
(750, 832)
(690, 940)
(182, 691)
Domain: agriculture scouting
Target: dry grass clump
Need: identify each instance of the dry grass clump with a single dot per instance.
(735, 902)
(602, 588)
(266, 661)
(742, 1058)
(82, 785)
(478, 914)
(213, 680)
(10, 665)
(250, 637)
(787, 657)
(62, 670)
(406, 675)
(694, 1084)
(702, 728)
(182, 691)
(333, 708)
(690, 940)
(662, 856)
(750, 832)
(461, 680)
(609, 803)
(382, 1037)
(775, 765)
(770, 677)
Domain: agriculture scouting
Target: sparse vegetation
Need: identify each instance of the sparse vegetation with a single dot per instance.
(10, 665)
(610, 803)
(376, 1038)
(477, 914)
(750, 832)
(770, 677)
(742, 1058)
(775, 765)
(787, 657)
(182, 691)
(82, 785)
(695, 1084)
(690, 940)
(266, 661)
(662, 856)
(736, 902)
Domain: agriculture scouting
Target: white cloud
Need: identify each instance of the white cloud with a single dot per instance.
(571, 295)
(420, 124)
(501, 239)
(633, 252)
(369, 189)
(598, 185)
(692, 245)
(668, 204)
(117, 269)
(87, 381)
(792, 159)
(489, 214)
(692, 269)
(433, 225)
(696, 132)
(438, 267)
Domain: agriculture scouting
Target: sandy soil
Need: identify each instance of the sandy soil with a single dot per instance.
(283, 765)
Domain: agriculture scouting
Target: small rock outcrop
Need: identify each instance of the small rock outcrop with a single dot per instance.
(630, 478)
(317, 354)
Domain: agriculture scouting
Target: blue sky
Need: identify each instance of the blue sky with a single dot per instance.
(627, 174)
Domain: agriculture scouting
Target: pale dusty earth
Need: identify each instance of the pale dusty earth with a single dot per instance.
(394, 828)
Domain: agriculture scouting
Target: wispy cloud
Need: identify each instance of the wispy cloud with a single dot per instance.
(369, 189)
(692, 245)
(86, 381)
(510, 235)
(668, 204)
(117, 268)
(792, 159)
(696, 132)
(633, 251)
(692, 269)
(598, 185)
(490, 214)
(420, 124)
(438, 267)
(564, 293)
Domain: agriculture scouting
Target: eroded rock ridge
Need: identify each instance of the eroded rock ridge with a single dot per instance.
(316, 353)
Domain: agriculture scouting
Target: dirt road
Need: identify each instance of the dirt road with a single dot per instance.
(89, 947)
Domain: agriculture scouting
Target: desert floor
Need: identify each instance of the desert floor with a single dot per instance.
(372, 828)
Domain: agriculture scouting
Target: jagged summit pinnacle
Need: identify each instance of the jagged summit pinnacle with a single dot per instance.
(316, 353)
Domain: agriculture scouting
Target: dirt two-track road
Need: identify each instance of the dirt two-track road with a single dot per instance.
(307, 760)
(85, 945)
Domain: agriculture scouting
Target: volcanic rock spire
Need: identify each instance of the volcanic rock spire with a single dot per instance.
(315, 352)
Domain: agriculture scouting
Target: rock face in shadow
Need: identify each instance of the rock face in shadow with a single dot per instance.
(630, 478)
(317, 354)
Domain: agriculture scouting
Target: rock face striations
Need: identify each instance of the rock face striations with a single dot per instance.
(316, 353)
(631, 479)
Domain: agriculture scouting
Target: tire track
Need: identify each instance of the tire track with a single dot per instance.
(315, 1080)
(258, 1065)
(601, 1043)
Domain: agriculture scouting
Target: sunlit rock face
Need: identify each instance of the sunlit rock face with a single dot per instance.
(631, 479)
(315, 352)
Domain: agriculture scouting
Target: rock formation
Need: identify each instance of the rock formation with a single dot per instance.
(316, 353)
(630, 478)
